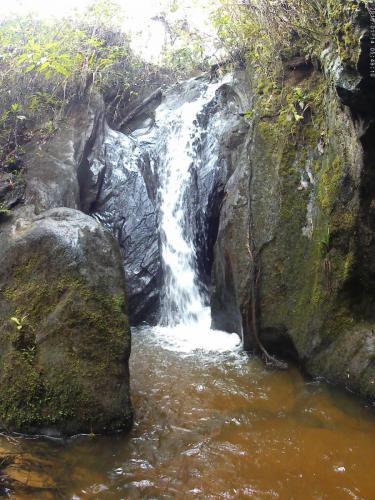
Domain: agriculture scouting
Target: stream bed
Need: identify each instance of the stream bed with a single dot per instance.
(211, 422)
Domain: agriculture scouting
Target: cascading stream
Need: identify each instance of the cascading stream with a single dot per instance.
(210, 421)
(156, 198)
(183, 302)
(186, 318)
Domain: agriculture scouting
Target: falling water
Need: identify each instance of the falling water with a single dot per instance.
(183, 302)
(174, 148)
(185, 314)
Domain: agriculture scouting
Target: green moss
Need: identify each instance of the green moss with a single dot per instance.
(347, 266)
(341, 16)
(329, 182)
(86, 331)
(304, 292)
(29, 399)
(308, 286)
(343, 220)
(290, 145)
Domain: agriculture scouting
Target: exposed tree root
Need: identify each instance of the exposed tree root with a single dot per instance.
(269, 360)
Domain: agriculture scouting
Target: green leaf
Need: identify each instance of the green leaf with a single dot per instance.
(15, 107)
(15, 320)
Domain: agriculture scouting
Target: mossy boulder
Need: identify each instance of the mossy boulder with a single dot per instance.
(299, 210)
(310, 262)
(64, 332)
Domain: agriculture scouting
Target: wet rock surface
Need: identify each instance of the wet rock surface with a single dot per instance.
(126, 203)
(64, 338)
(220, 146)
(299, 211)
(128, 170)
(57, 173)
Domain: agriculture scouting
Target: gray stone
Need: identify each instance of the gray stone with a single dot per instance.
(57, 171)
(64, 334)
(300, 208)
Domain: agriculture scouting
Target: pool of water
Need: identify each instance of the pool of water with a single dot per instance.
(213, 425)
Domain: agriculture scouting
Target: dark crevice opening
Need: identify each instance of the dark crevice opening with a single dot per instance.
(207, 232)
(360, 288)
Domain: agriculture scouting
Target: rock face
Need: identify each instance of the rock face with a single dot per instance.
(296, 231)
(128, 169)
(232, 269)
(64, 332)
(126, 204)
(221, 144)
(57, 173)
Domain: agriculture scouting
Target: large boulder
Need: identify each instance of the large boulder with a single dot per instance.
(296, 235)
(64, 333)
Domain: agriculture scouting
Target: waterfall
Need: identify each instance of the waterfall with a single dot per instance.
(186, 316)
(153, 176)
(183, 302)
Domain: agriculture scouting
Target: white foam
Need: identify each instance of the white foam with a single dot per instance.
(196, 336)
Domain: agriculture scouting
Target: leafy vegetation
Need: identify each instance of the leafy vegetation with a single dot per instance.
(46, 65)
(268, 31)
(279, 36)
(18, 322)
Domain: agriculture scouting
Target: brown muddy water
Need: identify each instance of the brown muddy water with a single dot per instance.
(211, 425)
